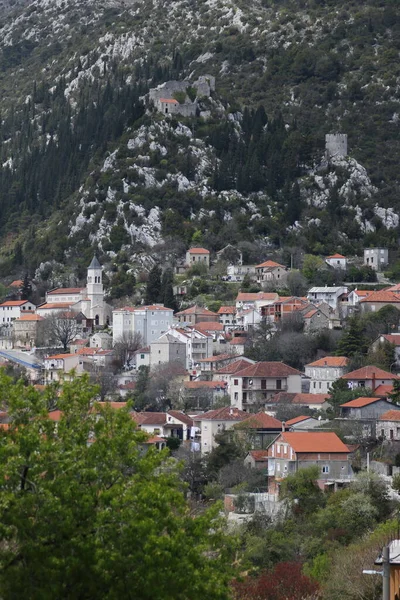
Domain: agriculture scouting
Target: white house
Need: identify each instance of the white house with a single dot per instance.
(239, 272)
(324, 372)
(337, 261)
(216, 421)
(149, 321)
(199, 345)
(331, 295)
(57, 366)
(13, 309)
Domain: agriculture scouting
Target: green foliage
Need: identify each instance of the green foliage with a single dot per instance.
(302, 490)
(353, 341)
(153, 286)
(69, 508)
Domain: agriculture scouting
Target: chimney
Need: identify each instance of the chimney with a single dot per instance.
(283, 426)
(373, 382)
(230, 410)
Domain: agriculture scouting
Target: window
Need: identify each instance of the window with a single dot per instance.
(142, 356)
(236, 382)
(236, 396)
(382, 433)
(279, 384)
(391, 434)
(325, 469)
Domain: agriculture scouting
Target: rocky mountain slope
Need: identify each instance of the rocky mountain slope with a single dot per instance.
(88, 163)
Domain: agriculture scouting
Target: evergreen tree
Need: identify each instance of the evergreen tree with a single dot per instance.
(167, 290)
(26, 289)
(153, 287)
(352, 341)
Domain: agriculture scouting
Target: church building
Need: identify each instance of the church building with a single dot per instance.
(88, 300)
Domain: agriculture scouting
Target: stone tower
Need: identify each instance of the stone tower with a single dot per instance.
(335, 145)
(95, 292)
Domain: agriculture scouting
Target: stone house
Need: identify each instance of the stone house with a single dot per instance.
(376, 258)
(390, 338)
(201, 394)
(216, 421)
(195, 256)
(256, 459)
(315, 401)
(324, 372)
(271, 271)
(315, 320)
(376, 300)
(388, 425)
(29, 331)
(195, 314)
(102, 340)
(337, 261)
(366, 408)
(167, 349)
(293, 451)
(369, 377)
(252, 387)
(170, 106)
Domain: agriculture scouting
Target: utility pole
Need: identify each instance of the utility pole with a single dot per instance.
(386, 573)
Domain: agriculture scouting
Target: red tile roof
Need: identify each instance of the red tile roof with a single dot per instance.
(359, 402)
(59, 291)
(369, 372)
(311, 313)
(197, 310)
(113, 404)
(155, 439)
(30, 317)
(268, 369)
(58, 305)
(15, 303)
(169, 100)
(58, 356)
(330, 361)
(199, 385)
(297, 420)
(390, 415)
(270, 263)
(382, 296)
(16, 283)
(178, 414)
(198, 251)
(301, 398)
(209, 326)
(234, 367)
(336, 256)
(259, 455)
(150, 418)
(325, 442)
(260, 421)
(383, 390)
(253, 297)
(227, 413)
(392, 338)
(227, 310)
(215, 359)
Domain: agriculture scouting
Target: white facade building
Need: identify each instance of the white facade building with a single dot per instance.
(376, 258)
(337, 261)
(198, 345)
(330, 295)
(14, 309)
(150, 322)
(324, 372)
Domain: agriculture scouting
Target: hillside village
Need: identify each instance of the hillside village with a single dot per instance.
(193, 374)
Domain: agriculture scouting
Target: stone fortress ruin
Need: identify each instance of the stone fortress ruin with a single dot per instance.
(181, 97)
(335, 145)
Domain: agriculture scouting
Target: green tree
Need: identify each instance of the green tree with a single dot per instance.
(302, 490)
(340, 393)
(101, 519)
(353, 340)
(167, 290)
(395, 394)
(26, 290)
(311, 265)
(153, 286)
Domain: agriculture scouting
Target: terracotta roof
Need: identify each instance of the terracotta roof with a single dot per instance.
(297, 420)
(80, 342)
(227, 310)
(178, 414)
(302, 398)
(336, 256)
(113, 404)
(55, 415)
(59, 291)
(268, 369)
(370, 372)
(57, 356)
(131, 385)
(252, 297)
(363, 292)
(391, 338)
(360, 402)
(311, 313)
(155, 439)
(153, 307)
(382, 296)
(270, 263)
(169, 100)
(15, 303)
(237, 341)
(216, 358)
(227, 413)
(391, 415)
(330, 361)
(383, 390)
(209, 326)
(234, 367)
(196, 310)
(16, 283)
(150, 418)
(259, 455)
(198, 251)
(58, 305)
(314, 442)
(260, 421)
(30, 317)
(199, 385)
(87, 351)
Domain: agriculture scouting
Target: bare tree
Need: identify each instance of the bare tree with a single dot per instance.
(62, 329)
(106, 380)
(126, 346)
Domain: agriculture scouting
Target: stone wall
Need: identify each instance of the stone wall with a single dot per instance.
(336, 144)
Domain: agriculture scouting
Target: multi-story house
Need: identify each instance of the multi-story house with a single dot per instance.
(195, 314)
(271, 271)
(13, 309)
(376, 258)
(167, 349)
(149, 321)
(337, 261)
(227, 316)
(59, 366)
(292, 451)
(324, 372)
(199, 345)
(196, 256)
(369, 377)
(29, 330)
(216, 421)
(255, 300)
(333, 296)
(251, 388)
(388, 425)
(239, 272)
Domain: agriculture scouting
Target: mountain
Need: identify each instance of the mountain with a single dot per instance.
(88, 163)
